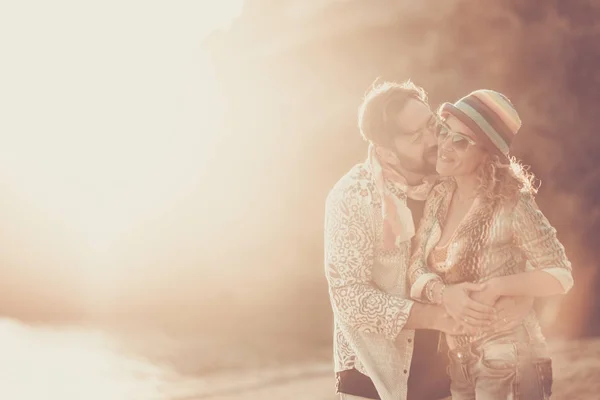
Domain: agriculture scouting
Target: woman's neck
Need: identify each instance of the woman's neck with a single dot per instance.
(466, 187)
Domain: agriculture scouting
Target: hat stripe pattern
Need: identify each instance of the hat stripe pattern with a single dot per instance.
(451, 109)
(493, 118)
(481, 122)
(490, 115)
(501, 106)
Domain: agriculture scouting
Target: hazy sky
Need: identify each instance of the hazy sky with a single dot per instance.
(100, 103)
(107, 112)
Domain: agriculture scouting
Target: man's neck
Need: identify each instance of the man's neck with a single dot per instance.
(412, 178)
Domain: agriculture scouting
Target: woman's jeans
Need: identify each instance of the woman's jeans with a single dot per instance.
(500, 369)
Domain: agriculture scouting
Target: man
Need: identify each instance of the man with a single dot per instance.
(368, 229)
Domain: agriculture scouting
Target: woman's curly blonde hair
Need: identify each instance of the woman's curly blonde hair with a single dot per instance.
(504, 182)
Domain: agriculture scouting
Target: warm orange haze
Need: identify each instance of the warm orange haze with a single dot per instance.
(164, 167)
(111, 113)
(110, 116)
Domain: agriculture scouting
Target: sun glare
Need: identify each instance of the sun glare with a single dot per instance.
(107, 108)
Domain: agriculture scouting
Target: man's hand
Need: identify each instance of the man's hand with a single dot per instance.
(511, 312)
(445, 323)
(460, 306)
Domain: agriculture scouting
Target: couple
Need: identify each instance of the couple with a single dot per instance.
(446, 309)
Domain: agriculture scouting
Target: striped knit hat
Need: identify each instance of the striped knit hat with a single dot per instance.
(491, 116)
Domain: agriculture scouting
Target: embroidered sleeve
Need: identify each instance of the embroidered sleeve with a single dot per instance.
(349, 255)
(537, 239)
(421, 278)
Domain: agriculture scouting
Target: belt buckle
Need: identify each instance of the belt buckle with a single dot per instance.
(462, 354)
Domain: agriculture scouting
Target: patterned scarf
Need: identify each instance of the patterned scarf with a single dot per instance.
(398, 224)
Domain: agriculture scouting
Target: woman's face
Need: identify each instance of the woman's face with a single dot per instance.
(459, 153)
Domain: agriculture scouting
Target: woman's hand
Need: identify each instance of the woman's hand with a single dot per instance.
(511, 312)
(460, 306)
(490, 293)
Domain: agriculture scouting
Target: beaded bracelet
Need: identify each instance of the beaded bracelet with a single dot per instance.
(429, 291)
(429, 294)
(441, 300)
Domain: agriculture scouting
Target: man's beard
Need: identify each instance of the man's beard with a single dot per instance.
(429, 168)
(426, 167)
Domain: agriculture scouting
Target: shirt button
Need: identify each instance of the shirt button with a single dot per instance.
(409, 340)
(405, 371)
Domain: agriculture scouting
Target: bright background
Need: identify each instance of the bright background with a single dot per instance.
(164, 165)
(110, 112)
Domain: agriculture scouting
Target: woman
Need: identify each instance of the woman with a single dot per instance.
(482, 225)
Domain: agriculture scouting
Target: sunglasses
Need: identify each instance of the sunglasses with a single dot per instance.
(459, 141)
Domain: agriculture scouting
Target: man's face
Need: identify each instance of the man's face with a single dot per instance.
(414, 139)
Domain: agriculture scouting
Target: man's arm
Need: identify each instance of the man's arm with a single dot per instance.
(420, 277)
(349, 257)
(428, 316)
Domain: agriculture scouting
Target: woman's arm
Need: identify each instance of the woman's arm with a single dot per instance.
(538, 283)
(534, 235)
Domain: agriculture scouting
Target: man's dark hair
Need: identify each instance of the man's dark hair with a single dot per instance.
(381, 103)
